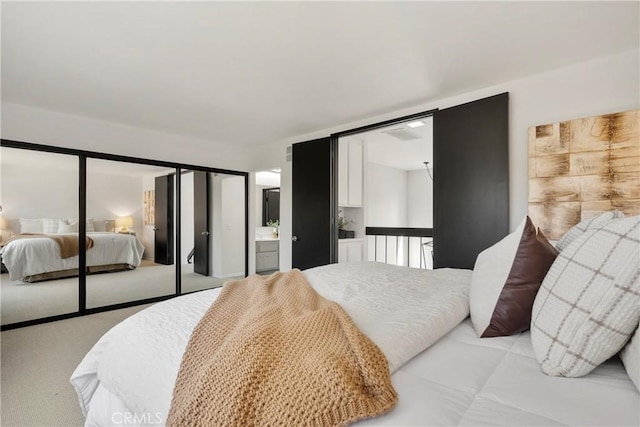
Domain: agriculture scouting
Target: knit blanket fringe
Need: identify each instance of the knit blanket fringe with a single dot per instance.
(271, 351)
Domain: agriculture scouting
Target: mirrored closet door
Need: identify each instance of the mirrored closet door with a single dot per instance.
(130, 214)
(39, 226)
(213, 229)
(150, 230)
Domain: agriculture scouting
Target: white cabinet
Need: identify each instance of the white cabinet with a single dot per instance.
(350, 172)
(350, 250)
(267, 255)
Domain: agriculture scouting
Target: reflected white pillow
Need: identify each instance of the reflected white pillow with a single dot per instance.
(64, 227)
(31, 225)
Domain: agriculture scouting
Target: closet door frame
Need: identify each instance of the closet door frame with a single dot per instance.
(82, 156)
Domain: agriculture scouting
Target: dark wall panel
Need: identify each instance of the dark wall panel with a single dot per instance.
(471, 180)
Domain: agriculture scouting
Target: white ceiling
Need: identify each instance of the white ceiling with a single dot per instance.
(406, 154)
(251, 73)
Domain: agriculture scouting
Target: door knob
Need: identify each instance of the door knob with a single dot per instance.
(294, 238)
(205, 233)
(155, 229)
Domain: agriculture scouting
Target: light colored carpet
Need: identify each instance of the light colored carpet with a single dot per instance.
(26, 301)
(37, 363)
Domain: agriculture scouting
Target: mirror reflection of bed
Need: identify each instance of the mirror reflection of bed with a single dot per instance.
(40, 195)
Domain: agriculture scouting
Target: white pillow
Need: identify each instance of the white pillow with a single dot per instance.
(630, 356)
(589, 304)
(585, 225)
(505, 280)
(50, 225)
(64, 227)
(31, 225)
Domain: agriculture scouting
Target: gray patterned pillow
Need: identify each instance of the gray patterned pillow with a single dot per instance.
(585, 225)
(50, 225)
(589, 303)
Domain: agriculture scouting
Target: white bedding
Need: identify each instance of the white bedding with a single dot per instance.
(137, 361)
(467, 381)
(128, 377)
(27, 257)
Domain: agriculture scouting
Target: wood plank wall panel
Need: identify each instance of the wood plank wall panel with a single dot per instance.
(580, 168)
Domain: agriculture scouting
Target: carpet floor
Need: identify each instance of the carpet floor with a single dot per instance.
(37, 362)
(26, 301)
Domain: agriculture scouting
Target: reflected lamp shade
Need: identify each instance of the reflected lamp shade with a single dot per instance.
(124, 222)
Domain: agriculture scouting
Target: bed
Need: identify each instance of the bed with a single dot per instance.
(38, 257)
(443, 373)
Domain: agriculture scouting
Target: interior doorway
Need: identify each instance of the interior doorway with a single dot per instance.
(385, 194)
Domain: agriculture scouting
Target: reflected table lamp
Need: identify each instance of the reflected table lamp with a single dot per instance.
(124, 222)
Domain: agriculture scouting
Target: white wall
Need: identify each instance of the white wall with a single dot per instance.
(599, 86)
(39, 191)
(36, 125)
(419, 199)
(111, 196)
(386, 204)
(233, 235)
(30, 191)
(228, 225)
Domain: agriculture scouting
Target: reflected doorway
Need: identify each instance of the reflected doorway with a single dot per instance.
(267, 214)
(212, 229)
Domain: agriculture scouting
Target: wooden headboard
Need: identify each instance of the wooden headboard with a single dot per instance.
(579, 168)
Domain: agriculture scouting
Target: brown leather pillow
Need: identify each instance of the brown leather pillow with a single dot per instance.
(506, 279)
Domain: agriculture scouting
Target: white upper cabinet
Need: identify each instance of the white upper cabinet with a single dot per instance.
(350, 172)
(343, 175)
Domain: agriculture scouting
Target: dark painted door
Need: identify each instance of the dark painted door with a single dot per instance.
(471, 180)
(313, 232)
(270, 205)
(164, 220)
(201, 235)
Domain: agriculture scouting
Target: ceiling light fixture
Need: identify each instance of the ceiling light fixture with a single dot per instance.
(415, 124)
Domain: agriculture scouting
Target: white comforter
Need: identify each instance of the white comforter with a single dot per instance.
(402, 310)
(26, 257)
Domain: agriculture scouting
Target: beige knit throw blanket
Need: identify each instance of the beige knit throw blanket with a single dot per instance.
(271, 351)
